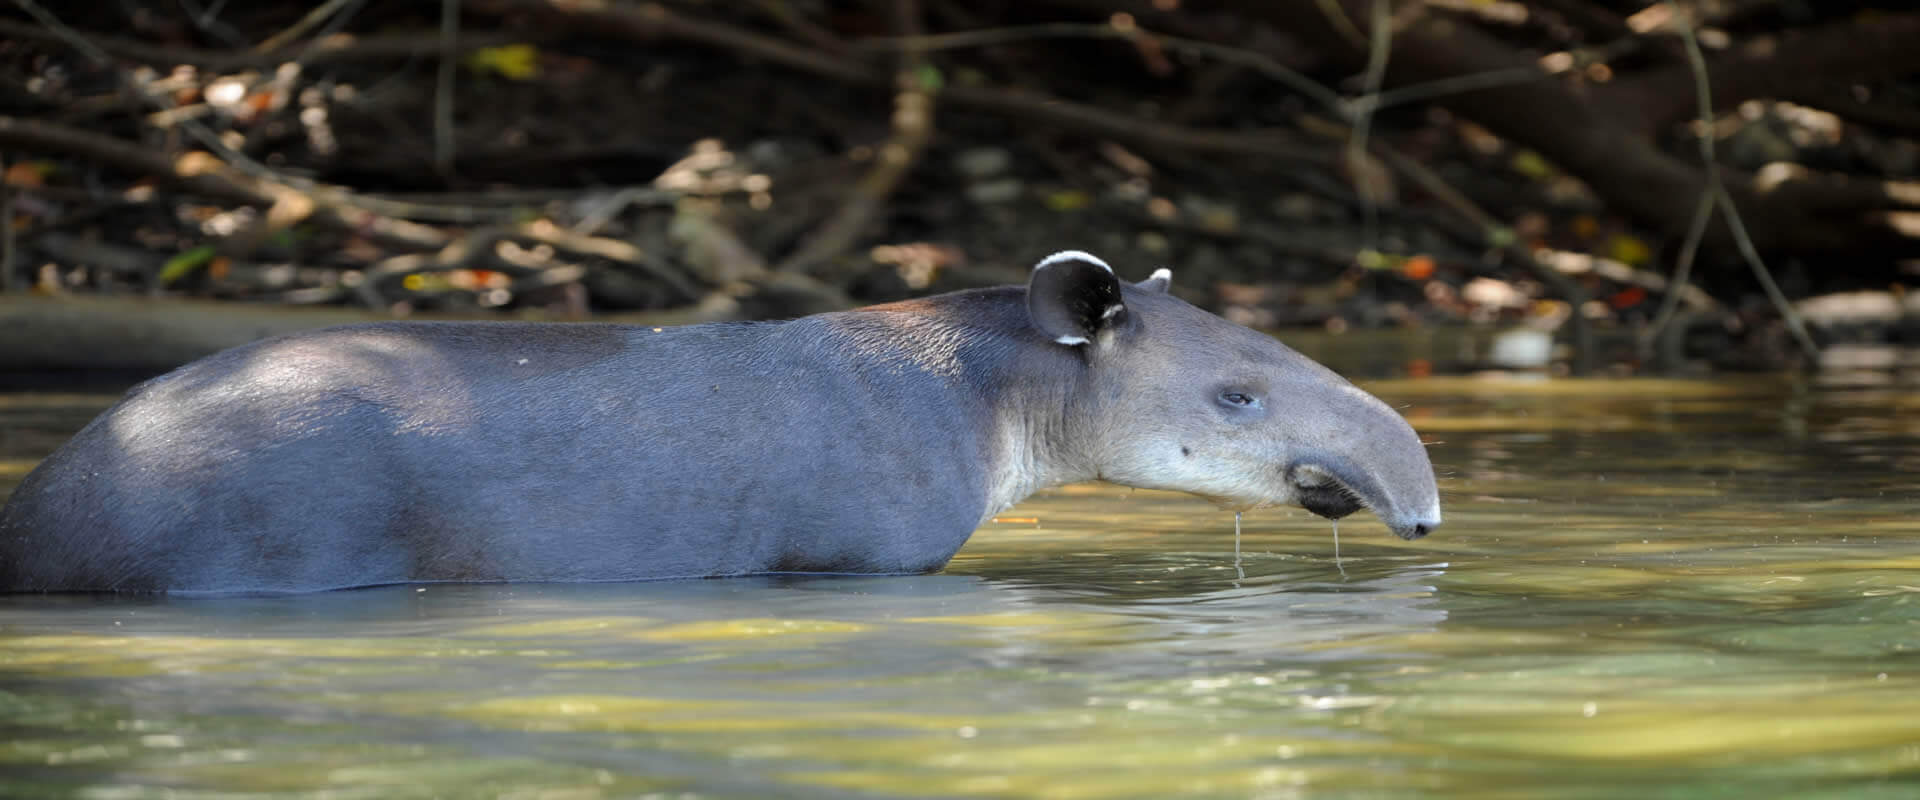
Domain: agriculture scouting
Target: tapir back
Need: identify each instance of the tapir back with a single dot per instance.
(404, 452)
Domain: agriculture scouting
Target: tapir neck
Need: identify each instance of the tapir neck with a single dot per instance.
(1027, 384)
(1033, 443)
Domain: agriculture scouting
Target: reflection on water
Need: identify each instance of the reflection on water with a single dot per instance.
(1650, 588)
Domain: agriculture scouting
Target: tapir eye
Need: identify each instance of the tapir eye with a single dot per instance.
(1239, 399)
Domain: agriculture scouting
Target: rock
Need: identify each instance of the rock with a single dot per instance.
(980, 163)
(1297, 206)
(1203, 264)
(1492, 293)
(1856, 308)
(1760, 142)
(769, 154)
(1212, 215)
(1522, 348)
(996, 192)
(1863, 316)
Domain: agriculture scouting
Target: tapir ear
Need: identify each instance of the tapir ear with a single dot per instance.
(1072, 296)
(1159, 282)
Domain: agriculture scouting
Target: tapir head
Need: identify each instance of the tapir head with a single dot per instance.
(1180, 399)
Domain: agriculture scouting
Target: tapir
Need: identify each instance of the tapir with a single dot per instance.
(871, 441)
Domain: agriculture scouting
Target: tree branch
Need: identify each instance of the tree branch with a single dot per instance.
(1774, 67)
(1607, 146)
(912, 128)
(203, 174)
(334, 50)
(652, 21)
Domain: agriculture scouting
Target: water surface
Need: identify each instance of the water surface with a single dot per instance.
(1644, 588)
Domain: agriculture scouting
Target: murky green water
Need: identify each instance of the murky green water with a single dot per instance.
(1645, 589)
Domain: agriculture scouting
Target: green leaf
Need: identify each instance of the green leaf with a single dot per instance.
(515, 62)
(1532, 165)
(1630, 249)
(1068, 200)
(929, 78)
(185, 263)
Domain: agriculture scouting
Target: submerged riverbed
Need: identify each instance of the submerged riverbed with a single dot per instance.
(1643, 588)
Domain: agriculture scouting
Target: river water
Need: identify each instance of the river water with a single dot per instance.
(1643, 588)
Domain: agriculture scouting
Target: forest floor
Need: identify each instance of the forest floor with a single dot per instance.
(568, 181)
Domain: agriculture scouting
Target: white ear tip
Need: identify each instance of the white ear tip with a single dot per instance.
(1073, 255)
(1161, 274)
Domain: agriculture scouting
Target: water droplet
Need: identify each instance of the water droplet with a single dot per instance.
(1336, 549)
(1237, 569)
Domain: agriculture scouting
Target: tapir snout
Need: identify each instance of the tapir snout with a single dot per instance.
(869, 441)
(1371, 458)
(1334, 488)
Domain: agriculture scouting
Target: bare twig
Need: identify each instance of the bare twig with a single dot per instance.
(1893, 117)
(616, 250)
(376, 47)
(207, 20)
(508, 204)
(912, 129)
(1744, 242)
(1348, 109)
(1683, 267)
(1599, 23)
(306, 23)
(46, 137)
(652, 21)
(1338, 20)
(1497, 78)
(6, 229)
(68, 248)
(60, 29)
(202, 173)
(1702, 213)
(1864, 49)
(443, 87)
(276, 189)
(1278, 147)
(1072, 30)
(233, 158)
(783, 12)
(607, 206)
(1702, 88)
(1379, 46)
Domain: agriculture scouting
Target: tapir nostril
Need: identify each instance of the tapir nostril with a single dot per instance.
(1414, 531)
